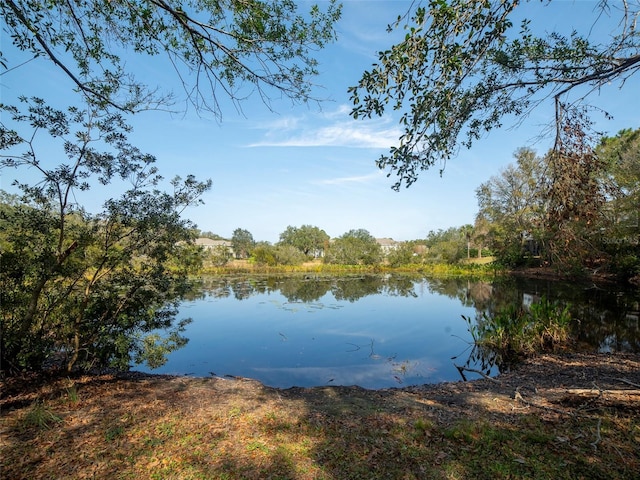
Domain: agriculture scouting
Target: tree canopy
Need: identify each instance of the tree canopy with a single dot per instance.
(463, 67)
(219, 47)
(242, 242)
(308, 239)
(583, 215)
(94, 288)
(620, 218)
(355, 247)
(514, 204)
(621, 183)
(89, 289)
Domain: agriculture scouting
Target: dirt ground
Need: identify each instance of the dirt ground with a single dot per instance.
(120, 413)
(546, 381)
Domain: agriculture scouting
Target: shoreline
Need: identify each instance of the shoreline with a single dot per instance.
(30, 381)
(560, 416)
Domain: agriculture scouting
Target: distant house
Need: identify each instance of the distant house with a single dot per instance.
(208, 244)
(387, 245)
(532, 247)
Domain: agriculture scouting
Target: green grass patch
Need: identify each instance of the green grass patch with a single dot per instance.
(463, 269)
(39, 416)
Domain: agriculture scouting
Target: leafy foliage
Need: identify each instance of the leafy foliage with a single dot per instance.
(288, 255)
(94, 289)
(463, 67)
(511, 334)
(620, 220)
(447, 246)
(242, 243)
(84, 287)
(218, 256)
(575, 208)
(308, 239)
(213, 46)
(263, 254)
(356, 247)
(514, 204)
(404, 254)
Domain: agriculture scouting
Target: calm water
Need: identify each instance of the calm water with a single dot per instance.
(372, 331)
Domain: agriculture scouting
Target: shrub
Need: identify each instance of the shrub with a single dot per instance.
(515, 333)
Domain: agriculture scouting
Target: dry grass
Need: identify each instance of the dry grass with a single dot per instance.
(556, 417)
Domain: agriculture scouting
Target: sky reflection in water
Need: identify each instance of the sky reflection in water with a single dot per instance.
(373, 331)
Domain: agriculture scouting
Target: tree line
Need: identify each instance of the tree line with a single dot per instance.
(297, 245)
(579, 218)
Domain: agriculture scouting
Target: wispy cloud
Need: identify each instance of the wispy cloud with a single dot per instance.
(355, 179)
(328, 129)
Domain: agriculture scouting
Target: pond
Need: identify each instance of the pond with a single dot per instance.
(374, 331)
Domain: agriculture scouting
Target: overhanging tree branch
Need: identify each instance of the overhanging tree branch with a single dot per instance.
(461, 68)
(266, 45)
(90, 92)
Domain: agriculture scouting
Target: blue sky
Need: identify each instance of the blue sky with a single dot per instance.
(310, 164)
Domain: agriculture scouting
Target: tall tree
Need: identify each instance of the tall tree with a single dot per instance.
(514, 204)
(242, 243)
(619, 225)
(355, 247)
(481, 233)
(220, 46)
(575, 195)
(463, 68)
(90, 288)
(621, 182)
(90, 285)
(308, 239)
(467, 231)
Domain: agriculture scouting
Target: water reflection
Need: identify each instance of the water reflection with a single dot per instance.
(374, 330)
(307, 288)
(607, 318)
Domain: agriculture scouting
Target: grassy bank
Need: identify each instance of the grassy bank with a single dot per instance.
(471, 269)
(573, 417)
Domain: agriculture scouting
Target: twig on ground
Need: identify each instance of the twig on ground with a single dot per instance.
(624, 380)
(595, 443)
(518, 396)
(473, 370)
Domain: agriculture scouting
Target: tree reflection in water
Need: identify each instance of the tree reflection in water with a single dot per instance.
(402, 326)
